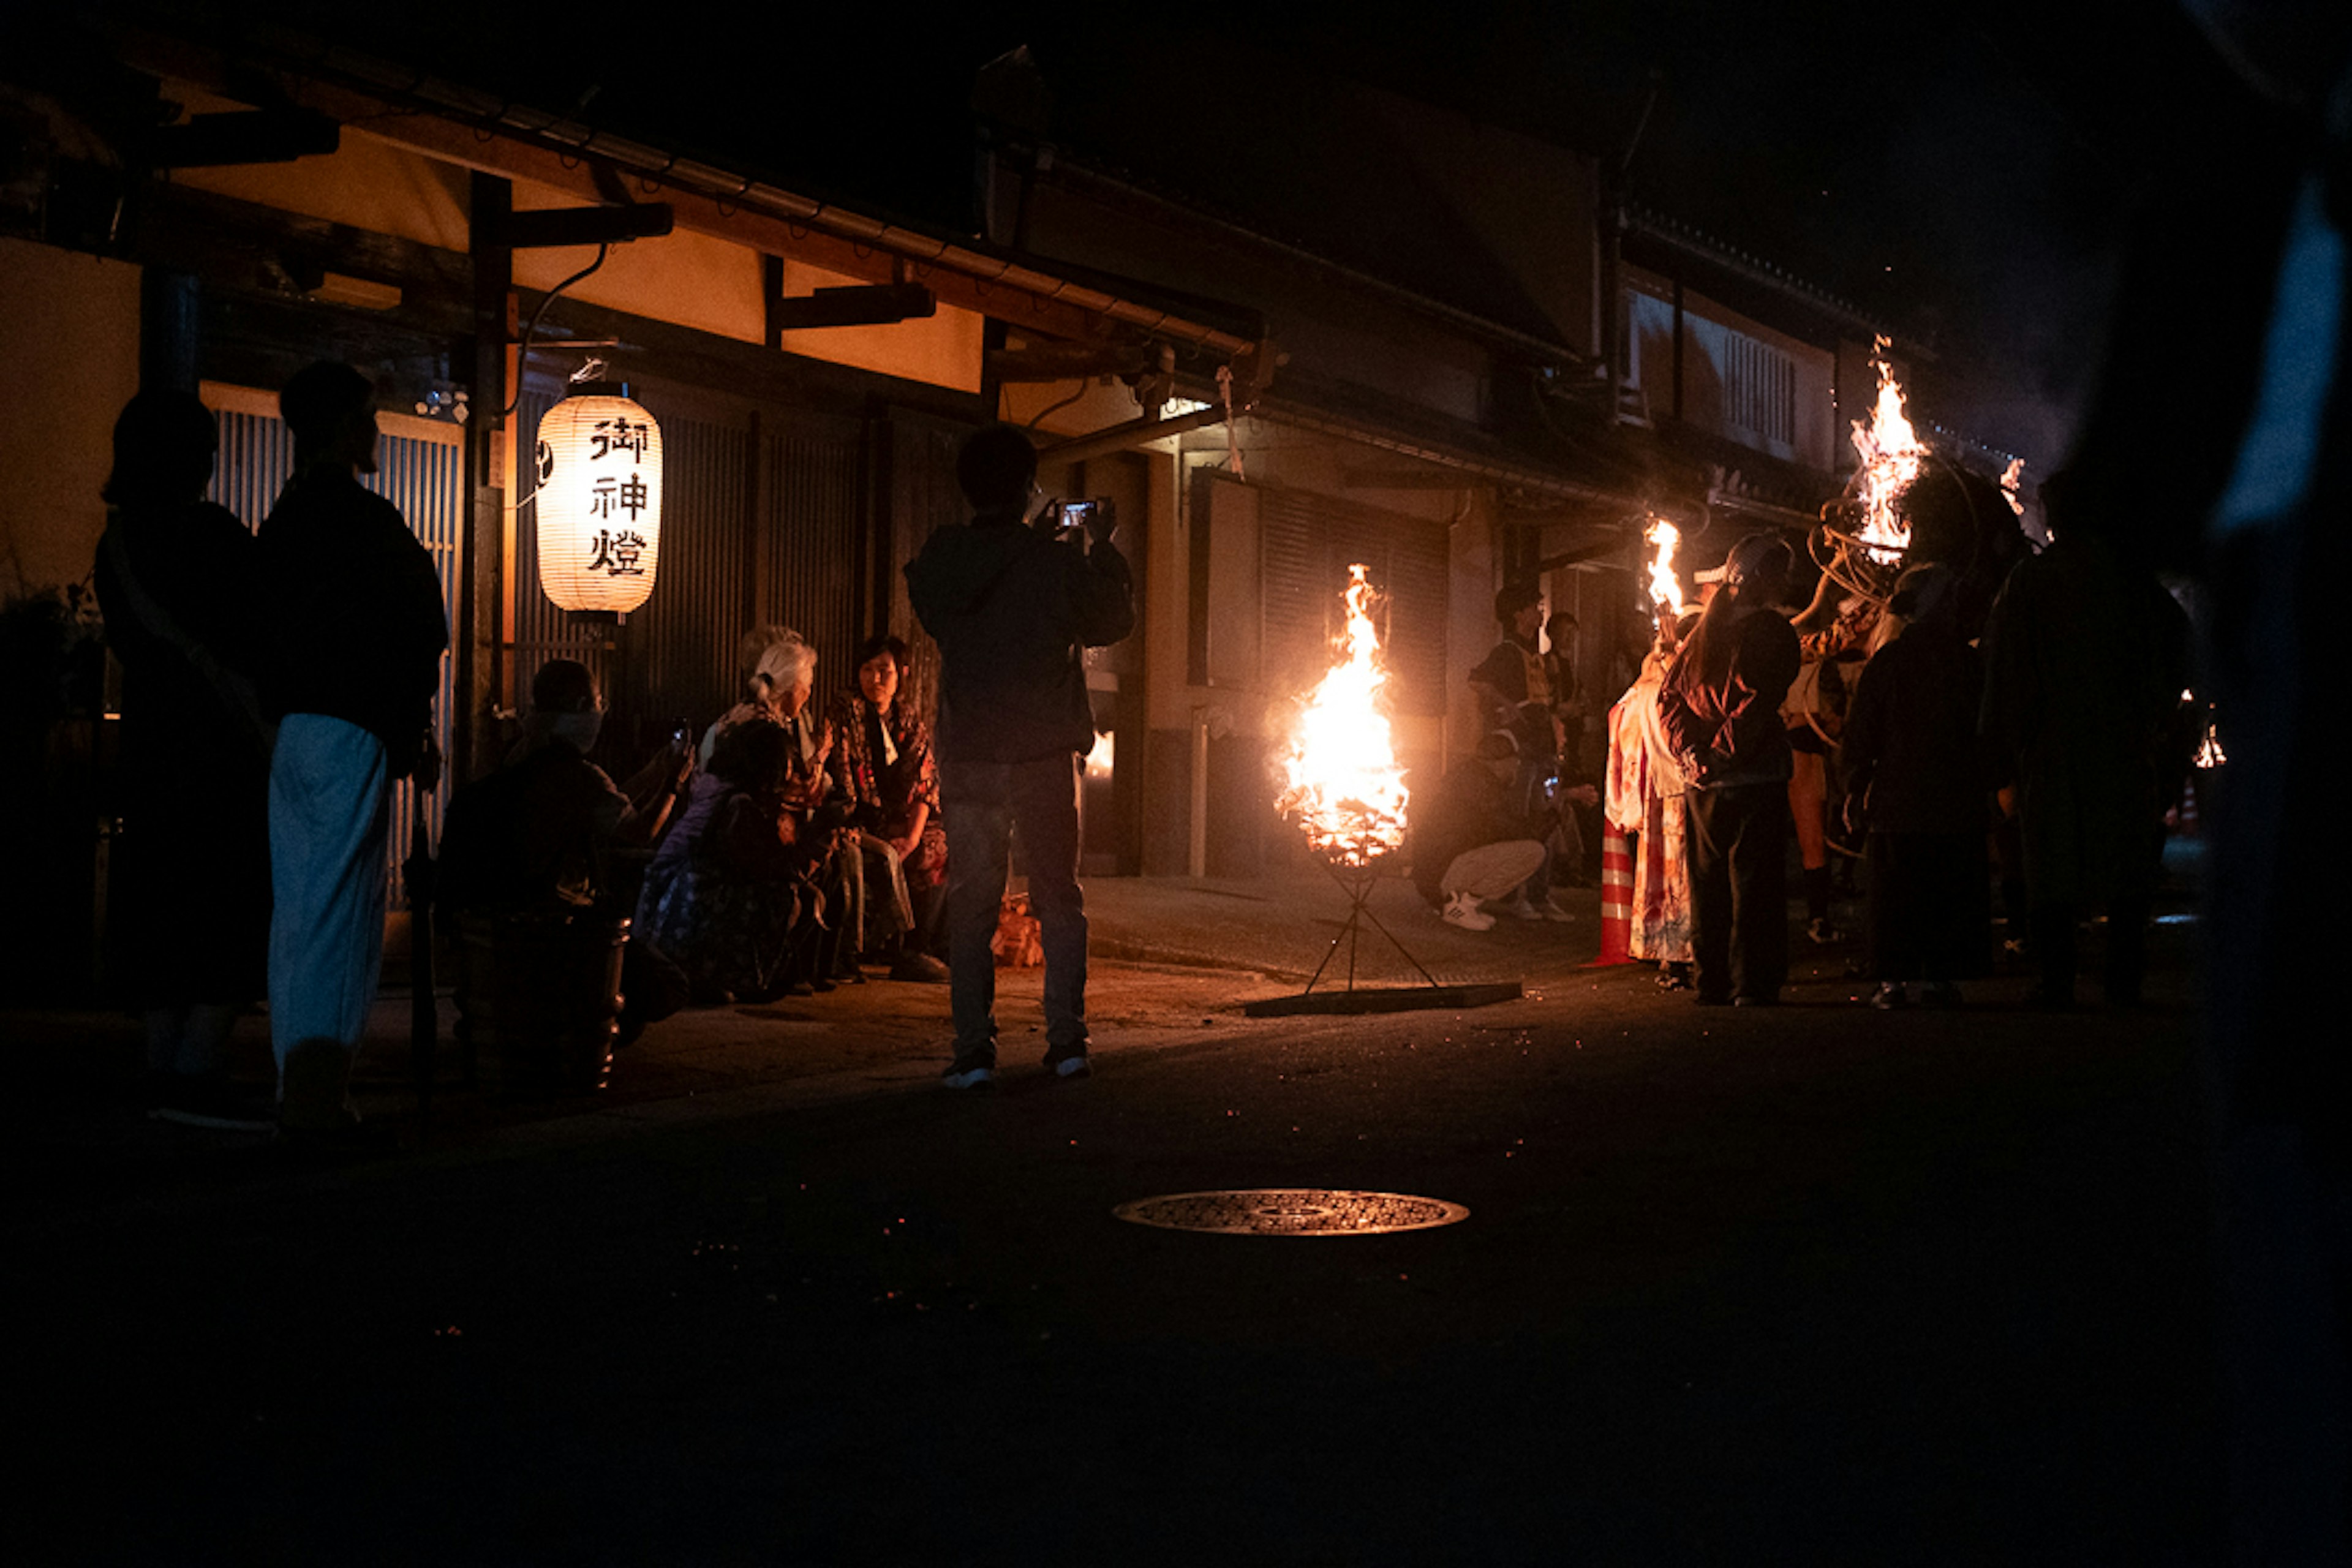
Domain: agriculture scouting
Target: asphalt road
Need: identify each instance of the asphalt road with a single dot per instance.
(1810, 1285)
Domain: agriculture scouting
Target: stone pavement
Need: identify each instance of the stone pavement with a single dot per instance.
(1172, 958)
(1809, 1284)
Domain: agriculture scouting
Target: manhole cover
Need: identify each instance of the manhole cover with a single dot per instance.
(1292, 1211)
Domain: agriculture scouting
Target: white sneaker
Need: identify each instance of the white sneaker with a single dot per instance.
(1551, 910)
(1518, 909)
(1462, 910)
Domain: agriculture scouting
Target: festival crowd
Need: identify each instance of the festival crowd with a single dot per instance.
(2045, 738)
(792, 845)
(797, 842)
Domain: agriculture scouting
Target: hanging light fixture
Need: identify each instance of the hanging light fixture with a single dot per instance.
(599, 501)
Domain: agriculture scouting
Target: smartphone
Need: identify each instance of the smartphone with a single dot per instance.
(1082, 521)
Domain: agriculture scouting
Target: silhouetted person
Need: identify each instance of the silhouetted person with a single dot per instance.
(1472, 837)
(1579, 812)
(538, 836)
(1915, 783)
(1013, 611)
(356, 638)
(729, 895)
(2086, 659)
(188, 916)
(1512, 686)
(1719, 706)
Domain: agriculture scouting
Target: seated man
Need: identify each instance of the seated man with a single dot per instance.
(1472, 836)
(538, 834)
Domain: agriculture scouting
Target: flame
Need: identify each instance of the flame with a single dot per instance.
(2209, 751)
(1345, 787)
(2013, 480)
(1891, 455)
(1665, 585)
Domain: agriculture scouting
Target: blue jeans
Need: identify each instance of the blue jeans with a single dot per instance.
(985, 804)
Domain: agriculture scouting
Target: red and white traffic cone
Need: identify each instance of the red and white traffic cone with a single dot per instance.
(1616, 900)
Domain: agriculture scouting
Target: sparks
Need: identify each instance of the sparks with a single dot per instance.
(1344, 785)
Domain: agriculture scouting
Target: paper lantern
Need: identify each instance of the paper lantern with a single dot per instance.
(599, 501)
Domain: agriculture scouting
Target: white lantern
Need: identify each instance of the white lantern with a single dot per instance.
(599, 501)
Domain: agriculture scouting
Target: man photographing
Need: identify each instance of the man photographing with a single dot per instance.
(1013, 610)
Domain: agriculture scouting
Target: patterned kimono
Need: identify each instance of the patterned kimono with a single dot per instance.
(726, 896)
(883, 763)
(1644, 798)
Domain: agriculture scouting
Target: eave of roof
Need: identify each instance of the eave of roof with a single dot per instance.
(357, 81)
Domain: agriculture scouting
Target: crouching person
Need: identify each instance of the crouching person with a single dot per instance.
(729, 894)
(537, 840)
(1471, 839)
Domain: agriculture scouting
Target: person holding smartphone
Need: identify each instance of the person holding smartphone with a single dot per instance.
(1013, 613)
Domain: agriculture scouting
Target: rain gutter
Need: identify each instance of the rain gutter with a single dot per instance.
(1478, 470)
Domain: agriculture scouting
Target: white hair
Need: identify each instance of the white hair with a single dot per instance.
(783, 664)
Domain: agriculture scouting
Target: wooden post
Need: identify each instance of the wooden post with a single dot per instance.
(485, 631)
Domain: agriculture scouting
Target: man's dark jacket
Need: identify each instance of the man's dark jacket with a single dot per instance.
(356, 630)
(1012, 610)
(1469, 808)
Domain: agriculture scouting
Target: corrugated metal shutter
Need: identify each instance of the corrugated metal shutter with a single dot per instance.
(723, 569)
(1309, 542)
(812, 511)
(680, 648)
(923, 495)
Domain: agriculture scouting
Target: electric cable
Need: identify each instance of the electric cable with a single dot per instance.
(531, 328)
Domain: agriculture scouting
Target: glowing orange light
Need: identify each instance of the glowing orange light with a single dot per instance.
(1344, 785)
(1891, 454)
(2209, 751)
(1666, 584)
(2013, 480)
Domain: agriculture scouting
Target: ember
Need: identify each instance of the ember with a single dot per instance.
(1344, 785)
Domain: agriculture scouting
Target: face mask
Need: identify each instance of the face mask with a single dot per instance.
(579, 729)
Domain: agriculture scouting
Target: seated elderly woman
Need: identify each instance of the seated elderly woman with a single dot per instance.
(782, 674)
(729, 895)
(882, 769)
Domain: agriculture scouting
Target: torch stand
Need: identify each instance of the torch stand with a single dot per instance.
(1358, 883)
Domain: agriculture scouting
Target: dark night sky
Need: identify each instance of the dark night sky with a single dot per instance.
(1963, 171)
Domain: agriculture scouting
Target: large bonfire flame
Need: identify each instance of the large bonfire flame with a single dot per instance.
(1666, 584)
(1345, 786)
(1891, 455)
